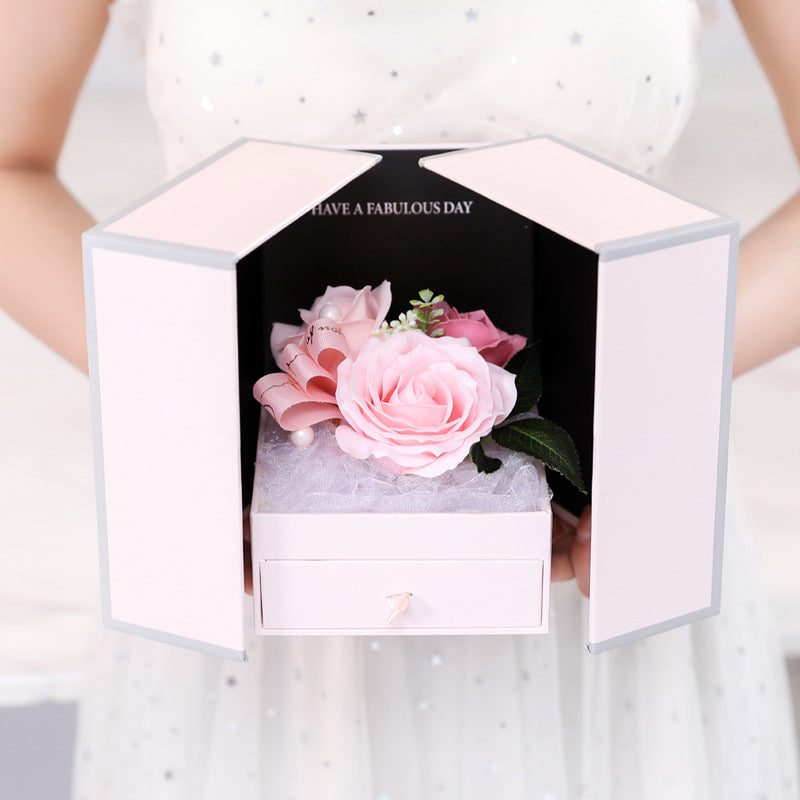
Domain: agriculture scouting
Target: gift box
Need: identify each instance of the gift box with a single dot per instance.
(629, 289)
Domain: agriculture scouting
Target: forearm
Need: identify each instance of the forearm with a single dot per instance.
(768, 293)
(41, 283)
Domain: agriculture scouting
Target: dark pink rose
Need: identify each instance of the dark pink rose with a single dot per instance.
(494, 345)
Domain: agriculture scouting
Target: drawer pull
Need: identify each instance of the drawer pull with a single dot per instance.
(398, 603)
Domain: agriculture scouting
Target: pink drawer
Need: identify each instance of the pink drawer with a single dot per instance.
(349, 596)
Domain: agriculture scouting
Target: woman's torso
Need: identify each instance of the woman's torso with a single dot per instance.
(617, 78)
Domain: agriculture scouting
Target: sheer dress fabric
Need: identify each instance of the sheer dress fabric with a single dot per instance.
(698, 713)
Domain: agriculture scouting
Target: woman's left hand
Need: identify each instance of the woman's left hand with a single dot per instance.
(571, 549)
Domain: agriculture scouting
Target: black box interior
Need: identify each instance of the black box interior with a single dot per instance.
(402, 223)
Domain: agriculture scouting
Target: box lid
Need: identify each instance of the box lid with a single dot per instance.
(574, 194)
(241, 196)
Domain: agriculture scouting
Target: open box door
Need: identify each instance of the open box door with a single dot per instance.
(645, 386)
(164, 368)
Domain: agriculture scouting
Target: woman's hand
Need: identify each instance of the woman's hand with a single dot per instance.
(571, 547)
(248, 560)
(46, 49)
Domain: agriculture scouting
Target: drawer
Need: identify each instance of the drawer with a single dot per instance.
(350, 596)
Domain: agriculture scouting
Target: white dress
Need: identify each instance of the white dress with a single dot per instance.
(698, 713)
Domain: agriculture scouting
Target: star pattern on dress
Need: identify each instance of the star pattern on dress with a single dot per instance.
(360, 117)
(576, 38)
(471, 15)
(216, 59)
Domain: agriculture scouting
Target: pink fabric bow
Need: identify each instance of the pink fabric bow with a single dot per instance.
(309, 354)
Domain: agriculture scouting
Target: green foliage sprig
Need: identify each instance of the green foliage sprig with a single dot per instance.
(427, 315)
(532, 435)
(422, 316)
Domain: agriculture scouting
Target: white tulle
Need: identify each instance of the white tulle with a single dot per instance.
(324, 479)
(698, 713)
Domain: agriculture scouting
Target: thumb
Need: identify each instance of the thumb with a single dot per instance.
(580, 552)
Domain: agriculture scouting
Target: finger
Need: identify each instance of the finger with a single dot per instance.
(580, 553)
(248, 570)
(246, 523)
(584, 525)
(248, 565)
(561, 529)
(561, 567)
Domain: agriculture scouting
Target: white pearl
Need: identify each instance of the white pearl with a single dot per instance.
(303, 438)
(330, 311)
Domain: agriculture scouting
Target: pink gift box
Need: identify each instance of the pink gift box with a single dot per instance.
(630, 289)
(333, 573)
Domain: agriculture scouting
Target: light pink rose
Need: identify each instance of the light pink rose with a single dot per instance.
(362, 310)
(494, 345)
(418, 404)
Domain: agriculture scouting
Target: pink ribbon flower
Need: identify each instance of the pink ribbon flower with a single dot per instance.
(494, 345)
(358, 312)
(418, 403)
(335, 327)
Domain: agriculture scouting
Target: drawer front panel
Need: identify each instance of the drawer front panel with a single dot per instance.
(350, 596)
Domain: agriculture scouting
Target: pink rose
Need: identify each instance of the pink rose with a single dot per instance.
(360, 310)
(494, 345)
(418, 403)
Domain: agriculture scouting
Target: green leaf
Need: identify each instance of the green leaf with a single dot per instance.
(525, 365)
(426, 295)
(546, 441)
(483, 462)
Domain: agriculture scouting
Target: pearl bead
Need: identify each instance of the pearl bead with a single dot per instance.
(330, 311)
(303, 438)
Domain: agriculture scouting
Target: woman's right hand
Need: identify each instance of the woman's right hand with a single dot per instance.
(46, 49)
